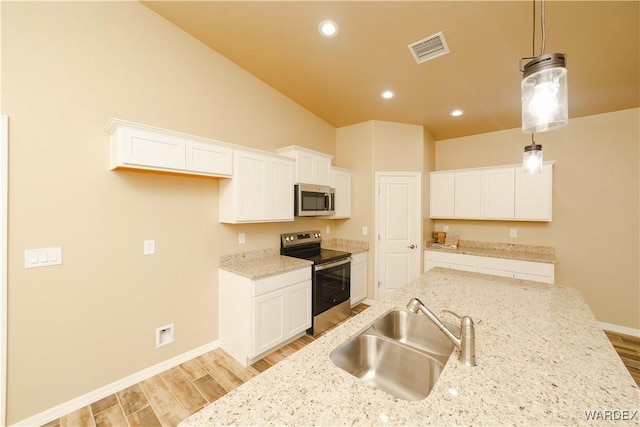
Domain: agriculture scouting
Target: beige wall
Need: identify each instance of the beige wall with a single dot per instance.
(595, 227)
(67, 68)
(367, 148)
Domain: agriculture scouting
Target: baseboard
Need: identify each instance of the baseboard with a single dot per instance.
(620, 329)
(86, 399)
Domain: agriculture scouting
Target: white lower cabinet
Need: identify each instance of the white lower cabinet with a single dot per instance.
(358, 277)
(255, 316)
(527, 270)
(538, 271)
(449, 260)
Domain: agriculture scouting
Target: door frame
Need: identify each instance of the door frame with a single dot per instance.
(4, 203)
(378, 175)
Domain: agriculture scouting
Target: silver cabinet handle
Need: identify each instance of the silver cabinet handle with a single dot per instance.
(411, 247)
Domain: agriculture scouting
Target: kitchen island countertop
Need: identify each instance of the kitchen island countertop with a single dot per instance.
(542, 360)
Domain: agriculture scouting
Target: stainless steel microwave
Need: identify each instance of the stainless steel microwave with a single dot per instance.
(314, 200)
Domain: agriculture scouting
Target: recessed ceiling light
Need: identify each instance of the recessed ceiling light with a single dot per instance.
(328, 28)
(387, 94)
(456, 113)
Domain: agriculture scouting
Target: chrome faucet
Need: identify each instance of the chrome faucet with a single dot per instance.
(466, 342)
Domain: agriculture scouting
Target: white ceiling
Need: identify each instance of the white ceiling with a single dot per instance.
(340, 79)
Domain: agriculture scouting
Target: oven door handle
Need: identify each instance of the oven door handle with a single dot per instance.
(332, 264)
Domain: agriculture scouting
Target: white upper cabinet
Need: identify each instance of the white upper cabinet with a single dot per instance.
(496, 193)
(312, 167)
(468, 194)
(137, 146)
(341, 181)
(261, 189)
(442, 194)
(498, 190)
(533, 194)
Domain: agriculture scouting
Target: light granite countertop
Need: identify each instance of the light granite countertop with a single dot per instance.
(262, 263)
(268, 262)
(501, 250)
(542, 360)
(345, 245)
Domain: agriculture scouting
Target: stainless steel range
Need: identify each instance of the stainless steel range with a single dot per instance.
(331, 278)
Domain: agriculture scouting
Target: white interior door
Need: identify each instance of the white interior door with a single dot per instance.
(398, 230)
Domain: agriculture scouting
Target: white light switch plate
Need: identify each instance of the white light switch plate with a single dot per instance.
(149, 247)
(42, 257)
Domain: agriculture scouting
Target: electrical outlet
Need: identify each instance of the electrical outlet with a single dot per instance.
(164, 335)
(242, 238)
(513, 232)
(365, 231)
(445, 228)
(149, 247)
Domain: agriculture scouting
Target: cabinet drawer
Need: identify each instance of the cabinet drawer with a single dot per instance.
(279, 281)
(358, 258)
(449, 258)
(517, 266)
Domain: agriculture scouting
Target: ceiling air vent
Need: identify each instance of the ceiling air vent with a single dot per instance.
(429, 48)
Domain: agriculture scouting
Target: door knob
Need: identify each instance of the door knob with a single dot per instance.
(411, 247)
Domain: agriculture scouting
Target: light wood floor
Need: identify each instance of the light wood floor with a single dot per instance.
(628, 348)
(170, 397)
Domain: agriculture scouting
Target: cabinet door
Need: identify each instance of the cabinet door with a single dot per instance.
(442, 194)
(280, 191)
(358, 278)
(533, 194)
(299, 319)
(208, 158)
(498, 195)
(304, 168)
(341, 181)
(468, 194)
(152, 149)
(269, 321)
(321, 171)
(252, 187)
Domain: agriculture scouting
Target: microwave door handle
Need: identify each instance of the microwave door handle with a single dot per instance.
(327, 201)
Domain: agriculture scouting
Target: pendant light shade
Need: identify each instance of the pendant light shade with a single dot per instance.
(532, 158)
(544, 93)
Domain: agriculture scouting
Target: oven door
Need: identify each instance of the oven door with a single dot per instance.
(331, 284)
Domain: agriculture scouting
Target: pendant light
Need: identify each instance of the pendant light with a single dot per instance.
(532, 158)
(544, 86)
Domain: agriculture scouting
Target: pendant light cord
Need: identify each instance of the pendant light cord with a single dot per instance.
(542, 28)
(543, 31)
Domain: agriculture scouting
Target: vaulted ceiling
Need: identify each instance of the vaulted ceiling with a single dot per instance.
(340, 79)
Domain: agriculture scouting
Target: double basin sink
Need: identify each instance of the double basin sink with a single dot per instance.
(400, 353)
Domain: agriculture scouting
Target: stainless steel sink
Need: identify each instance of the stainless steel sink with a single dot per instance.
(414, 330)
(400, 353)
(394, 368)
